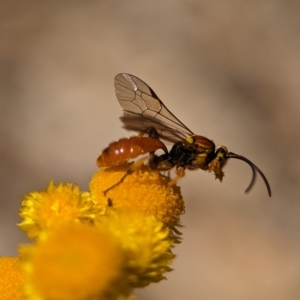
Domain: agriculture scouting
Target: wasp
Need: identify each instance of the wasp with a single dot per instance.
(145, 113)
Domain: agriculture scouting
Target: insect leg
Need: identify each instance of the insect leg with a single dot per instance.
(180, 172)
(132, 168)
(109, 202)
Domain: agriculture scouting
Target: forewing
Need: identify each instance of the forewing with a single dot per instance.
(143, 109)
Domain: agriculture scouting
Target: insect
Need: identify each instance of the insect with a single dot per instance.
(145, 113)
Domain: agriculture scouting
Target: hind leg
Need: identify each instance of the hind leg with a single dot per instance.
(132, 168)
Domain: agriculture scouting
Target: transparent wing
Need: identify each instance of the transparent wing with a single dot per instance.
(143, 109)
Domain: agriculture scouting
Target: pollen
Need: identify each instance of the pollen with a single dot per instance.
(144, 189)
(76, 261)
(56, 205)
(11, 279)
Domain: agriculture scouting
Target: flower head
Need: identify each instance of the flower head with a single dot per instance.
(146, 243)
(145, 190)
(77, 261)
(45, 210)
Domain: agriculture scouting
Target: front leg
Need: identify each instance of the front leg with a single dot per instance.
(180, 172)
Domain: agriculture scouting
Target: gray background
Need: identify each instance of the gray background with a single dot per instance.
(228, 69)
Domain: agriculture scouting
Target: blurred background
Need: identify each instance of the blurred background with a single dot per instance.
(229, 70)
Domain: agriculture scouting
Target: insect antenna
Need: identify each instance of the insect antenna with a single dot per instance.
(254, 169)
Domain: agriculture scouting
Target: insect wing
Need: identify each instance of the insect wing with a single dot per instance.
(143, 109)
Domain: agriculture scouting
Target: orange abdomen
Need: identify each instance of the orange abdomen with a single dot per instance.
(127, 148)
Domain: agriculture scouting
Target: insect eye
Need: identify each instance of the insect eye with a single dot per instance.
(221, 155)
(222, 149)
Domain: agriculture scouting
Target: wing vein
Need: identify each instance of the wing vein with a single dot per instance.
(143, 109)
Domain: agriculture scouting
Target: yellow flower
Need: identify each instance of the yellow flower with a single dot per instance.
(145, 240)
(10, 279)
(93, 246)
(77, 261)
(145, 189)
(54, 206)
